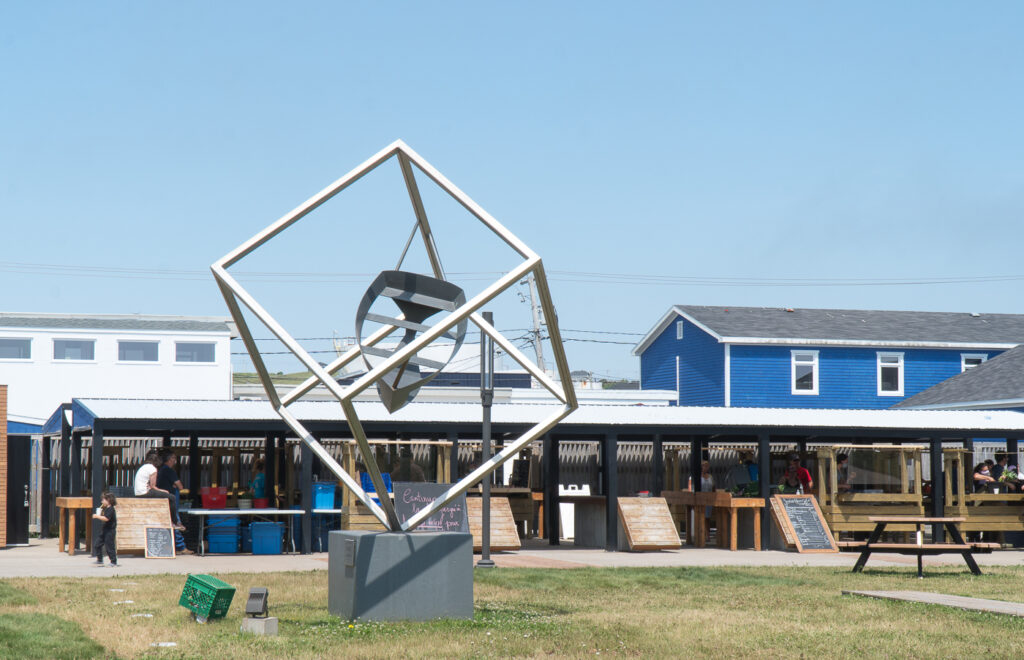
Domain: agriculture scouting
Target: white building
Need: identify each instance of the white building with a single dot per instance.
(46, 359)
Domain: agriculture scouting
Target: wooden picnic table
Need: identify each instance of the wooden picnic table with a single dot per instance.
(725, 508)
(66, 506)
(920, 548)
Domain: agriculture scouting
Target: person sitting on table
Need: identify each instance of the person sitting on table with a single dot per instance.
(739, 474)
(983, 481)
(145, 485)
(167, 479)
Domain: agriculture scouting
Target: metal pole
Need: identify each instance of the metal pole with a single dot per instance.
(938, 487)
(764, 466)
(486, 399)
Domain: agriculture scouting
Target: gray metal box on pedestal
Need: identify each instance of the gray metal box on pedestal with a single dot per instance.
(394, 576)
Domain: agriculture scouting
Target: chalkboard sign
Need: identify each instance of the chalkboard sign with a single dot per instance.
(411, 497)
(800, 519)
(159, 543)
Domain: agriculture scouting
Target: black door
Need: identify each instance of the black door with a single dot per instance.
(17, 490)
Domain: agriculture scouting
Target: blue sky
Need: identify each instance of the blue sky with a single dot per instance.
(779, 154)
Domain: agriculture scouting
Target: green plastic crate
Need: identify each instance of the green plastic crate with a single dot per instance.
(207, 597)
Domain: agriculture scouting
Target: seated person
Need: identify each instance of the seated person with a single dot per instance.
(796, 473)
(983, 480)
(145, 485)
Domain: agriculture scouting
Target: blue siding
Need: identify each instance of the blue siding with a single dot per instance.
(847, 376)
(658, 361)
(701, 366)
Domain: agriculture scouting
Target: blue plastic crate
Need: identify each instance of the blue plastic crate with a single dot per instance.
(267, 538)
(223, 544)
(323, 495)
(223, 524)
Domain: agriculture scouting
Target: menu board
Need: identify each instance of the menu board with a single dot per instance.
(800, 521)
(412, 496)
(159, 543)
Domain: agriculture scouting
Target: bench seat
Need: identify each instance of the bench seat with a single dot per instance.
(913, 548)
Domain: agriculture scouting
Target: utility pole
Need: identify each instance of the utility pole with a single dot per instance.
(537, 345)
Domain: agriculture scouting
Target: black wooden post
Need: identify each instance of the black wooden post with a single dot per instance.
(453, 457)
(551, 520)
(64, 475)
(97, 479)
(938, 489)
(167, 440)
(44, 487)
(270, 469)
(307, 499)
(764, 475)
(194, 474)
(76, 464)
(695, 459)
(610, 478)
(658, 465)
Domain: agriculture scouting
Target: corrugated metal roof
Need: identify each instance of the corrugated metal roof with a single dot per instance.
(117, 322)
(586, 415)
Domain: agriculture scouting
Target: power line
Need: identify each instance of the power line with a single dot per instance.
(583, 277)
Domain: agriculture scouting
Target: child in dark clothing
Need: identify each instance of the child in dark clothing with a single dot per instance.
(108, 535)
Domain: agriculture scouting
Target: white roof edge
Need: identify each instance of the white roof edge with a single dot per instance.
(994, 404)
(659, 327)
(865, 342)
(971, 422)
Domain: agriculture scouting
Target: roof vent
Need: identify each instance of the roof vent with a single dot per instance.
(975, 314)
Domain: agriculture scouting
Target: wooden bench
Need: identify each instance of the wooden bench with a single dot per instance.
(919, 549)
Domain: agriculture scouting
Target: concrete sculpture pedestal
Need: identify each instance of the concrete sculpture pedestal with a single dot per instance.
(393, 576)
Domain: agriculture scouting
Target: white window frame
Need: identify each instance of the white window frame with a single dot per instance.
(195, 363)
(815, 372)
(964, 357)
(57, 360)
(138, 341)
(28, 359)
(878, 371)
(679, 328)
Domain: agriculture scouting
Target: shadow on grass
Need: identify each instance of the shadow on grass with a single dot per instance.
(33, 635)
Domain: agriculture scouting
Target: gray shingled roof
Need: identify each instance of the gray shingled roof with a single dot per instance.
(867, 325)
(117, 322)
(998, 379)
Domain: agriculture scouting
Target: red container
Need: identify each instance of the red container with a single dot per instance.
(260, 502)
(214, 498)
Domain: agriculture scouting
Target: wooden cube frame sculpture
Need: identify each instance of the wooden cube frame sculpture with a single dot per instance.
(236, 297)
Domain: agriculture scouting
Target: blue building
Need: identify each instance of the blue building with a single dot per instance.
(815, 358)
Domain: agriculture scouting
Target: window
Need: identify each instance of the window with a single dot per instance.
(74, 349)
(138, 351)
(890, 374)
(971, 360)
(804, 372)
(193, 352)
(15, 349)
(679, 329)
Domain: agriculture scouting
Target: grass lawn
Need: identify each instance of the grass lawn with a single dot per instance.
(657, 612)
